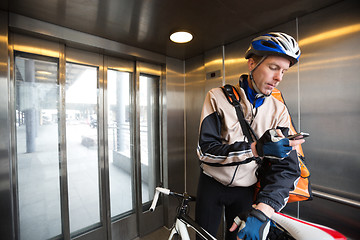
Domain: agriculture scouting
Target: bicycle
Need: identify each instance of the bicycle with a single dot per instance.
(286, 227)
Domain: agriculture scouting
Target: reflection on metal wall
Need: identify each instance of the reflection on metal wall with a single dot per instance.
(194, 98)
(235, 62)
(174, 167)
(323, 88)
(6, 229)
(330, 95)
(329, 74)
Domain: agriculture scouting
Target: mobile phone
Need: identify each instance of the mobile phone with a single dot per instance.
(298, 136)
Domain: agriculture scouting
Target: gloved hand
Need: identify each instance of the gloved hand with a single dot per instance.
(256, 227)
(272, 145)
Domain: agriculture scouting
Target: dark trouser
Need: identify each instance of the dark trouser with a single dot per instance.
(212, 196)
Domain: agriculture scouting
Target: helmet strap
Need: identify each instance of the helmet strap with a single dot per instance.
(253, 81)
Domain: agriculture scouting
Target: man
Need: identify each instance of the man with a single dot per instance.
(229, 160)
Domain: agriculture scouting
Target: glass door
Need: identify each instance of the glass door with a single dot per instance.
(37, 141)
(119, 130)
(149, 136)
(86, 178)
(119, 152)
(148, 99)
(82, 142)
(87, 142)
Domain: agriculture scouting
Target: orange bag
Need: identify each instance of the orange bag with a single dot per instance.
(302, 191)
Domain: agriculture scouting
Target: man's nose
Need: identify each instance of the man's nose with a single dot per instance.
(278, 76)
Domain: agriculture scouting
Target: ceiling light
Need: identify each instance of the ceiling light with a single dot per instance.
(181, 37)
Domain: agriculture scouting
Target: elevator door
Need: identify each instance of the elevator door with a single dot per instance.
(37, 141)
(87, 143)
(148, 127)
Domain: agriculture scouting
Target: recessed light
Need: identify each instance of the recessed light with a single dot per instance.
(181, 37)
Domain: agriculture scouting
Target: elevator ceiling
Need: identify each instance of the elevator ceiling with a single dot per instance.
(146, 24)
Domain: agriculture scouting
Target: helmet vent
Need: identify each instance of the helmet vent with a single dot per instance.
(268, 44)
(293, 42)
(284, 46)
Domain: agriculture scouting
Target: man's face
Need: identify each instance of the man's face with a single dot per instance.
(269, 73)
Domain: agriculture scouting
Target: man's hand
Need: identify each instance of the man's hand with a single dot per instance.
(273, 144)
(256, 227)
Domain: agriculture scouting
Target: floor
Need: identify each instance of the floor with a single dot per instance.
(161, 233)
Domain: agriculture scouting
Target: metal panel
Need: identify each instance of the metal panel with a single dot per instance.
(125, 228)
(38, 46)
(174, 160)
(330, 94)
(330, 101)
(65, 216)
(213, 61)
(79, 38)
(235, 62)
(194, 98)
(6, 207)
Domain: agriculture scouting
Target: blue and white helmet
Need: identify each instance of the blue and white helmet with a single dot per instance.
(275, 43)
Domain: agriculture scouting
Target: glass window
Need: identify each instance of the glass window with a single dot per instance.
(119, 142)
(82, 145)
(37, 96)
(149, 135)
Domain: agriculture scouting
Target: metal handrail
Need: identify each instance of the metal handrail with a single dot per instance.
(334, 198)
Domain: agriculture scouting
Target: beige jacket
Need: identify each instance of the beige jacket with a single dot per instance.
(222, 144)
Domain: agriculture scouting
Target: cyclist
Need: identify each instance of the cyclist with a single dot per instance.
(229, 160)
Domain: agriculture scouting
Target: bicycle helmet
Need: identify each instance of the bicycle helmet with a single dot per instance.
(275, 43)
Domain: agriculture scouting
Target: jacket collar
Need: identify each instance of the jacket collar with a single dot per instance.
(254, 98)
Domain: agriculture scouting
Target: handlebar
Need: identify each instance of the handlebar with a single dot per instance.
(158, 190)
(186, 197)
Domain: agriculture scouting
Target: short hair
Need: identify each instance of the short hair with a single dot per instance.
(256, 58)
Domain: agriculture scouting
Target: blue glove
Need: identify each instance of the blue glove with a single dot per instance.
(256, 227)
(273, 146)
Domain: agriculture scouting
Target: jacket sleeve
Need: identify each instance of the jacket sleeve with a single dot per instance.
(277, 178)
(211, 146)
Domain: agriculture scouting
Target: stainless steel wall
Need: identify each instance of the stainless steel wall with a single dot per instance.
(329, 90)
(6, 226)
(322, 93)
(174, 165)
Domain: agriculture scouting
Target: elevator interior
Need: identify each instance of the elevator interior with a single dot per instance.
(95, 51)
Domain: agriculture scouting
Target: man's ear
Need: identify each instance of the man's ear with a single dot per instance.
(251, 64)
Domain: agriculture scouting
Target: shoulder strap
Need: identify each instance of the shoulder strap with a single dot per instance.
(233, 96)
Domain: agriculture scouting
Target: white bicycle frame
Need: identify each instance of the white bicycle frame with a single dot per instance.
(181, 229)
(183, 222)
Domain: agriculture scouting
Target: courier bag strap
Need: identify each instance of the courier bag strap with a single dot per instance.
(233, 96)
